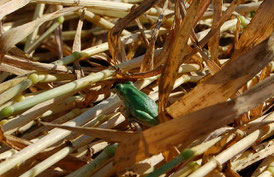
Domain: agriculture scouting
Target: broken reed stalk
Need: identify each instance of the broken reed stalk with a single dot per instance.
(62, 153)
(266, 168)
(99, 21)
(58, 91)
(232, 151)
(11, 83)
(7, 70)
(203, 147)
(108, 6)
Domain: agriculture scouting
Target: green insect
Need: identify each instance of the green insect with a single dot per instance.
(139, 107)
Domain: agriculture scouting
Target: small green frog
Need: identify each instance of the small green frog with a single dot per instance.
(139, 107)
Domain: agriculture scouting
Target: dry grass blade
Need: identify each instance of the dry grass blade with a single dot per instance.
(218, 24)
(12, 69)
(15, 35)
(76, 47)
(201, 122)
(135, 12)
(227, 81)
(32, 65)
(77, 40)
(148, 62)
(249, 157)
(177, 51)
(203, 7)
(106, 134)
(114, 34)
(12, 6)
(213, 43)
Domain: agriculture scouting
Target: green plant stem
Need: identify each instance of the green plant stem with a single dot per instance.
(58, 91)
(12, 92)
(184, 155)
(37, 42)
(17, 89)
(39, 10)
(99, 21)
(100, 160)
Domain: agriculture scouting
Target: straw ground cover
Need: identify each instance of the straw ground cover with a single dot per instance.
(207, 64)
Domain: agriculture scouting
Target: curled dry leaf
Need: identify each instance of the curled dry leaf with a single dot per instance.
(114, 41)
(12, 141)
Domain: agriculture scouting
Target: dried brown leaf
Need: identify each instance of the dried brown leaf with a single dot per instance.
(227, 81)
(258, 111)
(2, 136)
(213, 43)
(174, 60)
(202, 9)
(12, 141)
(32, 65)
(142, 31)
(260, 28)
(106, 134)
